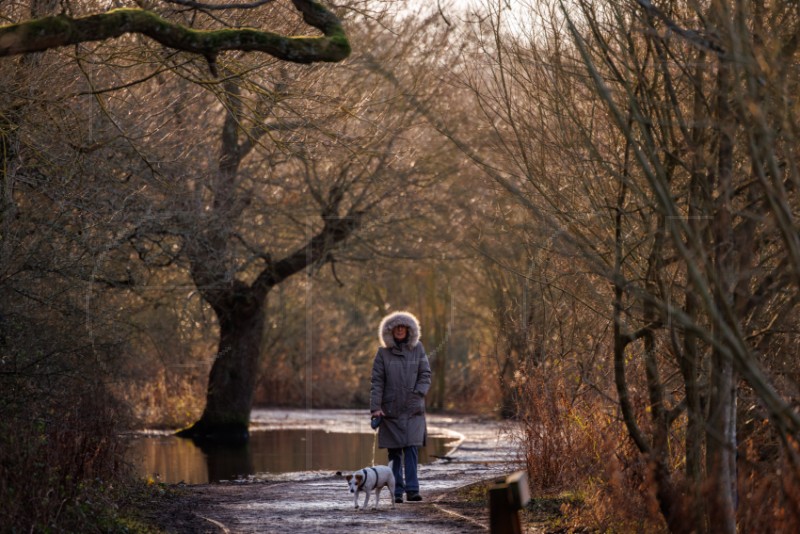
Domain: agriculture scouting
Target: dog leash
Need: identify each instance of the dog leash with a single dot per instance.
(374, 445)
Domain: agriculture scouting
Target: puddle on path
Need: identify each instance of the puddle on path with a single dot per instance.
(172, 460)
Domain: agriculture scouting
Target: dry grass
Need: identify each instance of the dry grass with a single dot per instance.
(573, 448)
(164, 400)
(582, 450)
(769, 491)
(561, 437)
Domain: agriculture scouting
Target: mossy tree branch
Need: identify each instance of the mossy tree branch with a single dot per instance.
(45, 33)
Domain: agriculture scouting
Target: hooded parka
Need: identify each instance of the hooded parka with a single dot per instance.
(401, 377)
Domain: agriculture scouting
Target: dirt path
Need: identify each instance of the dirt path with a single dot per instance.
(315, 501)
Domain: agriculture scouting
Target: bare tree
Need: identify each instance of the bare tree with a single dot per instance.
(631, 132)
(299, 161)
(239, 306)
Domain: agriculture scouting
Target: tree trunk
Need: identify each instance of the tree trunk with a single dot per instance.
(691, 362)
(695, 422)
(439, 351)
(721, 445)
(721, 441)
(231, 383)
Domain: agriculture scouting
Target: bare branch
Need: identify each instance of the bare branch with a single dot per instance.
(212, 7)
(336, 230)
(695, 38)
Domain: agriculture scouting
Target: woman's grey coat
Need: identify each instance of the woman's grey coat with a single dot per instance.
(401, 377)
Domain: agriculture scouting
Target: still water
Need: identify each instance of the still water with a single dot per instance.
(172, 460)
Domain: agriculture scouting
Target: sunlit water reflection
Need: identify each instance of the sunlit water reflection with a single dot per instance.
(172, 460)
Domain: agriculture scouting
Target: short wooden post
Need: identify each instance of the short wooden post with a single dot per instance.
(507, 497)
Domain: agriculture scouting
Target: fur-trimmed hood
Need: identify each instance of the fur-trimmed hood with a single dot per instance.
(396, 319)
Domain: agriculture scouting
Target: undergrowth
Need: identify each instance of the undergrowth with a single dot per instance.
(61, 463)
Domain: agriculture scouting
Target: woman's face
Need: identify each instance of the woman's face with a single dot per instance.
(400, 331)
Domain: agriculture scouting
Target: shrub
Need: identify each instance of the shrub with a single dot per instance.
(61, 462)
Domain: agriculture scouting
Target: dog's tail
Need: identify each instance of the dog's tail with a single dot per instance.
(390, 463)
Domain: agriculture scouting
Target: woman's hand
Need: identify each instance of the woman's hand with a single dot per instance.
(378, 413)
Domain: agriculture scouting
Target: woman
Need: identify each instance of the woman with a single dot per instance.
(401, 377)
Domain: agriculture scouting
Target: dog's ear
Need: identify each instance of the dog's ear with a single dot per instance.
(348, 477)
(359, 478)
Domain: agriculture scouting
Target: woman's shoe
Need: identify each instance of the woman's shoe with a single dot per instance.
(399, 500)
(413, 497)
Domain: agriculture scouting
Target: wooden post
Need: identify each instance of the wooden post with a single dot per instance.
(506, 498)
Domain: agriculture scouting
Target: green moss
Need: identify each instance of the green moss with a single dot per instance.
(475, 493)
(340, 40)
(137, 513)
(50, 32)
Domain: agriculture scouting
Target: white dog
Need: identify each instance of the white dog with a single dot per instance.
(371, 479)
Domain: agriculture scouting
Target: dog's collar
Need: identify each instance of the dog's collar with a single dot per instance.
(363, 482)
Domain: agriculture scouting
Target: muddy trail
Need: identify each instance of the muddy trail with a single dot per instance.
(319, 501)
